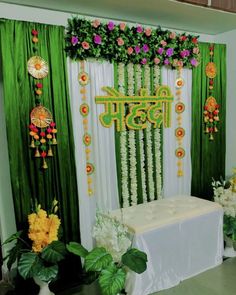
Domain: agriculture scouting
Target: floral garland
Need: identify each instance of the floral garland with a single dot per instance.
(138, 76)
(132, 146)
(157, 140)
(151, 186)
(123, 143)
(123, 44)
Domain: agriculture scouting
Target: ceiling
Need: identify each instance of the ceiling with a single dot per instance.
(166, 13)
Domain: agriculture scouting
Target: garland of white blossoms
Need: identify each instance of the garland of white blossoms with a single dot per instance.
(123, 144)
(132, 146)
(157, 140)
(151, 185)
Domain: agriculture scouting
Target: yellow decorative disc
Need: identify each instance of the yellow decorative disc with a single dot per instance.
(37, 67)
(211, 70)
(41, 117)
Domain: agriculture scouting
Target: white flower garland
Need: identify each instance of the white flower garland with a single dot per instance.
(123, 144)
(138, 74)
(151, 185)
(132, 147)
(157, 141)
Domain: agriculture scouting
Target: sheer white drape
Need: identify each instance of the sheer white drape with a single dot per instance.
(172, 184)
(102, 149)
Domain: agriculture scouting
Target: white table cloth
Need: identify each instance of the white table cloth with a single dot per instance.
(182, 237)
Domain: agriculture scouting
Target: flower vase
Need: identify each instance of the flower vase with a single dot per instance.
(229, 248)
(44, 287)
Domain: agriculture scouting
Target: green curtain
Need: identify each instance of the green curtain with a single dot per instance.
(208, 157)
(28, 180)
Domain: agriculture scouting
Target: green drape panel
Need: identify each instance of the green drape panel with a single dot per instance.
(28, 180)
(208, 157)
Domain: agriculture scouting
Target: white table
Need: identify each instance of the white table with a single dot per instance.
(182, 237)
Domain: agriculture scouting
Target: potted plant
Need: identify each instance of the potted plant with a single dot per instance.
(38, 251)
(112, 257)
(226, 197)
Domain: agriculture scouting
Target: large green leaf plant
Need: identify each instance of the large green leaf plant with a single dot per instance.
(102, 260)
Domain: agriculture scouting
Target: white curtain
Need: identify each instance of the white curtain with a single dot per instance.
(105, 186)
(172, 184)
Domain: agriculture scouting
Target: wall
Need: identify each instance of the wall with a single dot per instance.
(230, 39)
(10, 11)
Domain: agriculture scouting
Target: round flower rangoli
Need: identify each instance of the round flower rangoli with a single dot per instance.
(89, 168)
(37, 67)
(180, 153)
(84, 109)
(179, 83)
(179, 132)
(87, 139)
(179, 107)
(83, 78)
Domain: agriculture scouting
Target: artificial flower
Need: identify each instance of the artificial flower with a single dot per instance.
(130, 50)
(120, 41)
(170, 52)
(122, 26)
(160, 50)
(195, 50)
(143, 61)
(163, 43)
(194, 40)
(194, 62)
(156, 60)
(110, 26)
(172, 35)
(97, 39)
(137, 49)
(148, 32)
(166, 61)
(74, 40)
(39, 85)
(96, 23)
(34, 32)
(183, 38)
(85, 45)
(145, 48)
(139, 29)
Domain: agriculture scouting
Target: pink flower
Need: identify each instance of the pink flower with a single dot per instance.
(172, 35)
(148, 32)
(163, 43)
(137, 49)
(166, 61)
(180, 63)
(145, 48)
(130, 50)
(139, 29)
(97, 39)
(160, 50)
(194, 62)
(120, 41)
(110, 26)
(74, 40)
(195, 50)
(85, 45)
(156, 60)
(96, 23)
(122, 26)
(143, 61)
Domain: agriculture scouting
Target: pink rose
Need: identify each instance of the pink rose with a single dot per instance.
(120, 41)
(195, 50)
(96, 23)
(122, 26)
(180, 63)
(130, 50)
(172, 35)
(85, 45)
(148, 32)
(156, 60)
(163, 43)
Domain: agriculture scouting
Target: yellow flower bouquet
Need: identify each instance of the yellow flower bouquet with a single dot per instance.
(38, 251)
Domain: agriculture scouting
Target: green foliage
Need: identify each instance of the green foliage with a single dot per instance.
(29, 265)
(54, 252)
(77, 249)
(230, 227)
(97, 259)
(136, 260)
(112, 280)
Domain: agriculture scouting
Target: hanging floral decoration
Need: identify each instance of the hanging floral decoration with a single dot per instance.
(211, 108)
(83, 79)
(124, 44)
(179, 131)
(42, 128)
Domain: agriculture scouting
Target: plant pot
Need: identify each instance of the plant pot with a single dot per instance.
(44, 287)
(229, 248)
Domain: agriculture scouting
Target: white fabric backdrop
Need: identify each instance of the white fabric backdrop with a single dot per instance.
(103, 147)
(105, 195)
(172, 184)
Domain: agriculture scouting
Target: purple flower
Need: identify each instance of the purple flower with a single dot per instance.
(169, 52)
(184, 53)
(97, 39)
(145, 48)
(160, 50)
(137, 49)
(139, 29)
(74, 40)
(110, 26)
(143, 61)
(166, 61)
(194, 62)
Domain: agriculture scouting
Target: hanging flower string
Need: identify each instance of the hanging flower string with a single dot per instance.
(179, 131)
(83, 79)
(42, 128)
(211, 108)
(157, 140)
